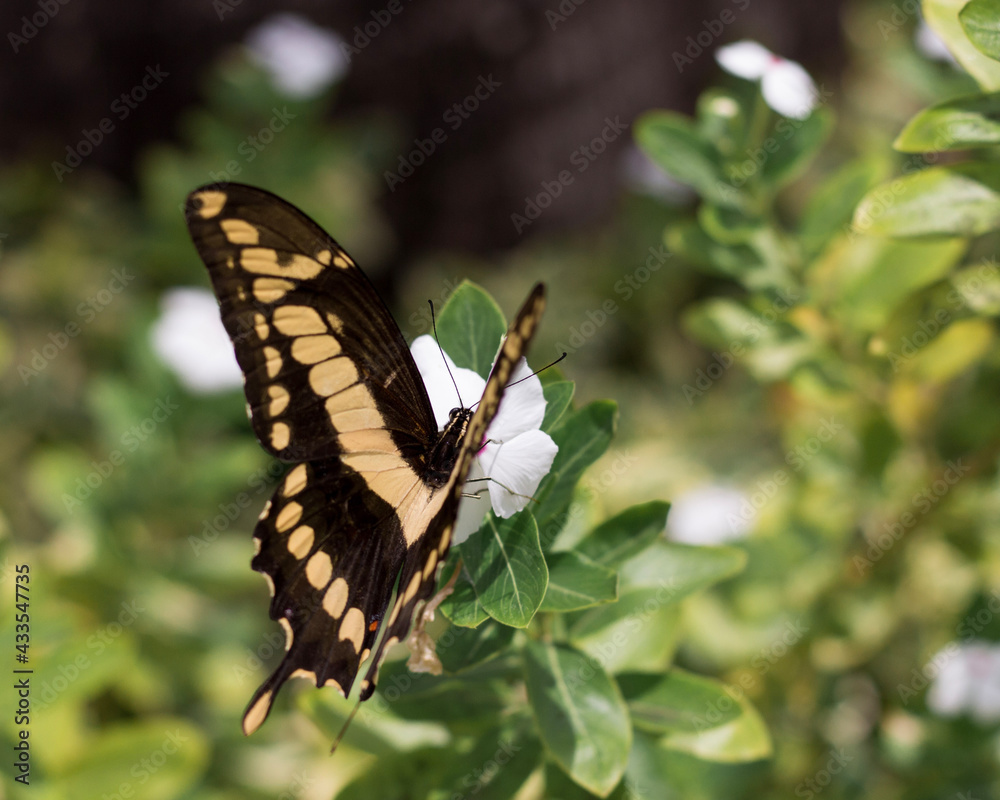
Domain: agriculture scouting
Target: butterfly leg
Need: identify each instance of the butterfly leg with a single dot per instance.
(423, 658)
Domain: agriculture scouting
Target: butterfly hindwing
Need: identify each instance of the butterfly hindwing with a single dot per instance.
(372, 498)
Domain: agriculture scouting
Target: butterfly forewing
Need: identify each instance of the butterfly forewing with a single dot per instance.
(331, 385)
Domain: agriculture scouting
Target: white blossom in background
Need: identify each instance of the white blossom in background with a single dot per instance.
(968, 682)
(516, 454)
(931, 45)
(785, 85)
(302, 59)
(708, 515)
(189, 338)
(642, 174)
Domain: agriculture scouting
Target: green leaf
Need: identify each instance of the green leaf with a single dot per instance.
(742, 739)
(682, 569)
(495, 769)
(582, 438)
(793, 145)
(942, 17)
(830, 208)
(676, 701)
(963, 200)
(507, 567)
(866, 279)
(580, 713)
(461, 607)
(627, 534)
(558, 396)
(576, 582)
(113, 755)
(672, 142)
(637, 633)
(462, 648)
(980, 20)
(957, 124)
(470, 327)
(978, 288)
(956, 349)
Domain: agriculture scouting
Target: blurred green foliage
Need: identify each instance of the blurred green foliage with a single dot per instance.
(820, 332)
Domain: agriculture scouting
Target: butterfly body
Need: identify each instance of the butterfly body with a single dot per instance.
(331, 387)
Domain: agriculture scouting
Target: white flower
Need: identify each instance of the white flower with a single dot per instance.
(708, 515)
(786, 86)
(302, 58)
(189, 338)
(968, 681)
(516, 454)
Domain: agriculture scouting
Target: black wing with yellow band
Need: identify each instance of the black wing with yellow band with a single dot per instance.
(331, 386)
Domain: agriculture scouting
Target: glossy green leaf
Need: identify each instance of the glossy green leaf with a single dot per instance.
(978, 288)
(558, 397)
(676, 701)
(461, 607)
(639, 632)
(582, 437)
(680, 569)
(625, 535)
(980, 19)
(576, 582)
(507, 567)
(742, 739)
(831, 207)
(461, 648)
(956, 349)
(470, 327)
(963, 200)
(943, 18)
(580, 713)
(953, 125)
(674, 144)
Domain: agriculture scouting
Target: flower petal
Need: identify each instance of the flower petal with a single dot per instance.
(302, 58)
(522, 407)
(788, 89)
(472, 510)
(745, 59)
(437, 373)
(190, 339)
(517, 466)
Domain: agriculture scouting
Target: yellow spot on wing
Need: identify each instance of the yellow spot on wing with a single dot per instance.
(271, 290)
(342, 261)
(289, 633)
(274, 361)
(264, 261)
(239, 231)
(411, 590)
(323, 257)
(288, 516)
(298, 320)
(281, 435)
(329, 377)
(313, 349)
(255, 715)
(352, 629)
(304, 673)
(432, 560)
(211, 203)
(301, 541)
(260, 325)
(445, 541)
(335, 599)
(336, 685)
(295, 481)
(319, 568)
(279, 399)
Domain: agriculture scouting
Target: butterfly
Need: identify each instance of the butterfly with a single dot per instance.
(363, 519)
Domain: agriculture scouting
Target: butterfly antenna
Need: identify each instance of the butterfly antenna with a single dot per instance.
(343, 730)
(443, 357)
(532, 375)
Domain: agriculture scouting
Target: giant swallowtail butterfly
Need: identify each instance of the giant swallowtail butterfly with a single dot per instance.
(364, 517)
